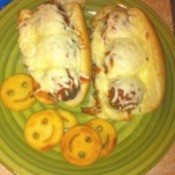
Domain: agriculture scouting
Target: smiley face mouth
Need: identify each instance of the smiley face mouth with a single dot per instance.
(28, 96)
(51, 135)
(71, 141)
(106, 143)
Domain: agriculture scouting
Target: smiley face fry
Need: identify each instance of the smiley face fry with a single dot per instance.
(107, 133)
(44, 130)
(81, 145)
(17, 92)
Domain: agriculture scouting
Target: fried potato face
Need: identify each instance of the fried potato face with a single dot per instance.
(69, 119)
(81, 145)
(17, 92)
(44, 130)
(107, 134)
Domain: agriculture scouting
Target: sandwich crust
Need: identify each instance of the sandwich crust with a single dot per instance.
(157, 78)
(80, 26)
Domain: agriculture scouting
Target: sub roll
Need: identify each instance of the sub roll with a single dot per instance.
(128, 62)
(55, 46)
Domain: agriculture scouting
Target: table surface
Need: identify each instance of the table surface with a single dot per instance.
(166, 166)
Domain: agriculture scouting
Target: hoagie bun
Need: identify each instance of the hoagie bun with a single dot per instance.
(128, 61)
(55, 46)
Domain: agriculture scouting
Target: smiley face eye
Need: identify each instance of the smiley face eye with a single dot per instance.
(99, 128)
(24, 84)
(45, 121)
(88, 139)
(10, 93)
(36, 135)
(82, 154)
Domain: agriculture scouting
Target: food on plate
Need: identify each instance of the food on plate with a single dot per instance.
(41, 96)
(107, 133)
(128, 62)
(55, 46)
(69, 119)
(81, 145)
(44, 130)
(17, 92)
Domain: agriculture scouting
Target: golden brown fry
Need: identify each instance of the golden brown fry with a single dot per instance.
(17, 92)
(81, 146)
(107, 133)
(44, 130)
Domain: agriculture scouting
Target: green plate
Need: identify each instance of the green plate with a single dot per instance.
(141, 142)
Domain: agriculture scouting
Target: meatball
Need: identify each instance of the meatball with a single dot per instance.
(68, 90)
(126, 93)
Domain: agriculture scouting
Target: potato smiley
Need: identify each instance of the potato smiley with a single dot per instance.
(17, 92)
(107, 134)
(81, 145)
(44, 130)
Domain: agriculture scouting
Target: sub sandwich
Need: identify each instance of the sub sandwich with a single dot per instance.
(55, 46)
(128, 62)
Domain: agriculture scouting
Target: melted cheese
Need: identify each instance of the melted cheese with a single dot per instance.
(98, 44)
(128, 85)
(50, 47)
(118, 26)
(119, 43)
(128, 56)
